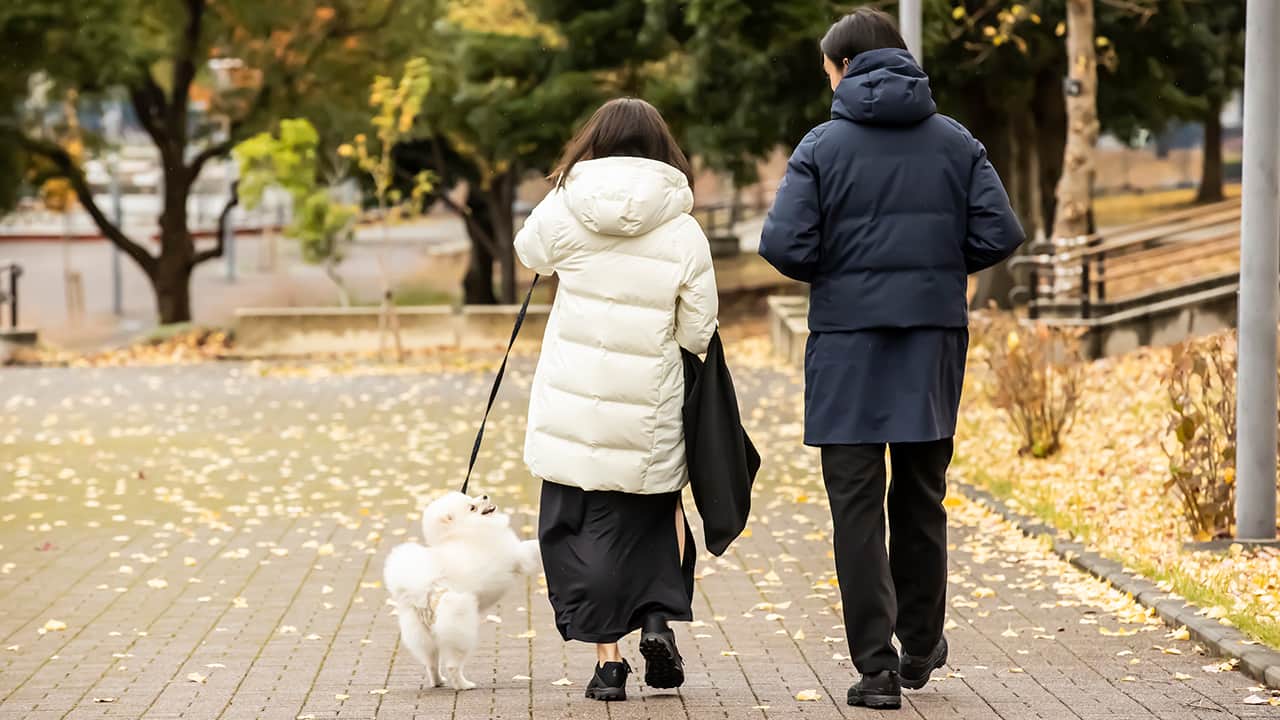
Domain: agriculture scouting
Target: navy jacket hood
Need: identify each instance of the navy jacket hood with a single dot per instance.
(884, 87)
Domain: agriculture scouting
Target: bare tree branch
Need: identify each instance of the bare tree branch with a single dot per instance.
(218, 149)
(474, 229)
(184, 71)
(223, 218)
(1144, 9)
(148, 104)
(284, 82)
(67, 168)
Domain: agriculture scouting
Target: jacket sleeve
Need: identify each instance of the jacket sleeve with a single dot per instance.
(793, 228)
(698, 303)
(536, 241)
(994, 232)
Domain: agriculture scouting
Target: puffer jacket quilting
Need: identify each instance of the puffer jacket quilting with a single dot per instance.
(635, 285)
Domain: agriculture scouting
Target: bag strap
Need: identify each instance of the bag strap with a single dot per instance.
(497, 382)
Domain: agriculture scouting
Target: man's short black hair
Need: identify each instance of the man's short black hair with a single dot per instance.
(861, 30)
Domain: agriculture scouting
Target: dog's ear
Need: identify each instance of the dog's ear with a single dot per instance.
(446, 519)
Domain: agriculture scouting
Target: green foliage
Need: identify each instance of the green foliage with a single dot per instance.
(504, 98)
(1158, 61)
(322, 225)
(396, 108)
(310, 58)
(288, 161)
(754, 79)
(1179, 63)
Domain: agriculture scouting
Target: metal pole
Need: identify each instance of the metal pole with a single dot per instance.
(1259, 275)
(117, 211)
(911, 22)
(112, 121)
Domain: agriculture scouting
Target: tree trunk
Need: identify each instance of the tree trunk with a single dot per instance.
(331, 271)
(171, 277)
(172, 283)
(1049, 109)
(499, 197)
(477, 284)
(995, 283)
(1211, 171)
(1075, 187)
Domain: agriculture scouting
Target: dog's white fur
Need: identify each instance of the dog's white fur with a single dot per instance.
(470, 558)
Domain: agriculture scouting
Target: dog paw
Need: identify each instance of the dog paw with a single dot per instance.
(464, 684)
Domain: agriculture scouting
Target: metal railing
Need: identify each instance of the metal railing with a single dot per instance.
(1079, 276)
(9, 297)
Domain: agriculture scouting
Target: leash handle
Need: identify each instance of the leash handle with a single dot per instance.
(497, 382)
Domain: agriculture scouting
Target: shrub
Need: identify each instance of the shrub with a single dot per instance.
(1036, 379)
(1201, 386)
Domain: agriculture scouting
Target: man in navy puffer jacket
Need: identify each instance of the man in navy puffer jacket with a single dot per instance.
(885, 210)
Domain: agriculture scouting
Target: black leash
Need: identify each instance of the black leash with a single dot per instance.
(497, 382)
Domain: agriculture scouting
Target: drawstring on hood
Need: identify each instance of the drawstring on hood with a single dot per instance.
(883, 87)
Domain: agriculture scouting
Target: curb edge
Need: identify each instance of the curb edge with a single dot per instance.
(1257, 661)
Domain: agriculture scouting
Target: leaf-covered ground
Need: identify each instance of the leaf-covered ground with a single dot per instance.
(1107, 485)
(205, 541)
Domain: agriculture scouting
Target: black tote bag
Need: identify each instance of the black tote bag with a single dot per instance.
(722, 460)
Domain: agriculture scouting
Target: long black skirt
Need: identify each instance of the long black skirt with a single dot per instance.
(612, 560)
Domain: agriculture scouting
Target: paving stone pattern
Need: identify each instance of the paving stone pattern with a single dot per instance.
(212, 538)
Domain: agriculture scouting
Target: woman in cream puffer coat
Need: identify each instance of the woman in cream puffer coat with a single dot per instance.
(605, 430)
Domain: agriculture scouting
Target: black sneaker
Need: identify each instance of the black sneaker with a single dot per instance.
(663, 667)
(609, 682)
(879, 691)
(915, 669)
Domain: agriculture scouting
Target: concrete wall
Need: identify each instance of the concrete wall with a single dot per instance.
(1158, 324)
(1166, 323)
(310, 330)
(789, 326)
(319, 330)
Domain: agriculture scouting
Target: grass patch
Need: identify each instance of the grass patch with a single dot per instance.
(413, 295)
(1111, 210)
(1201, 594)
(1038, 504)
(433, 295)
(1206, 596)
(170, 331)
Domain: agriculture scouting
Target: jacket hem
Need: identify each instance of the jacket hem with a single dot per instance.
(820, 442)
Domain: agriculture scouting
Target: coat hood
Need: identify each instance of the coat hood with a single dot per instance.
(884, 87)
(626, 196)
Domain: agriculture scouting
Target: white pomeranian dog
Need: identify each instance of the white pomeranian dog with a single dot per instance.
(470, 558)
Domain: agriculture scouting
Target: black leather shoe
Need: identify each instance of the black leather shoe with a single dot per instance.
(663, 667)
(915, 669)
(609, 682)
(879, 691)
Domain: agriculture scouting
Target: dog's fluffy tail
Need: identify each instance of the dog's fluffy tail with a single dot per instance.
(409, 574)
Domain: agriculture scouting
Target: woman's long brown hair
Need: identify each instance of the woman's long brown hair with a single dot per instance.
(627, 127)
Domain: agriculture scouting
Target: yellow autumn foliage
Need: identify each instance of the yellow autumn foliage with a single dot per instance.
(502, 17)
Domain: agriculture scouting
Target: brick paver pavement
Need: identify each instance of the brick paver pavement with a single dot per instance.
(206, 542)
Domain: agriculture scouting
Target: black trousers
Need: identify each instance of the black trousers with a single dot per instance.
(905, 589)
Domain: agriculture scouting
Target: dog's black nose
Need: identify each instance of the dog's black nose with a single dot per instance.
(485, 498)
